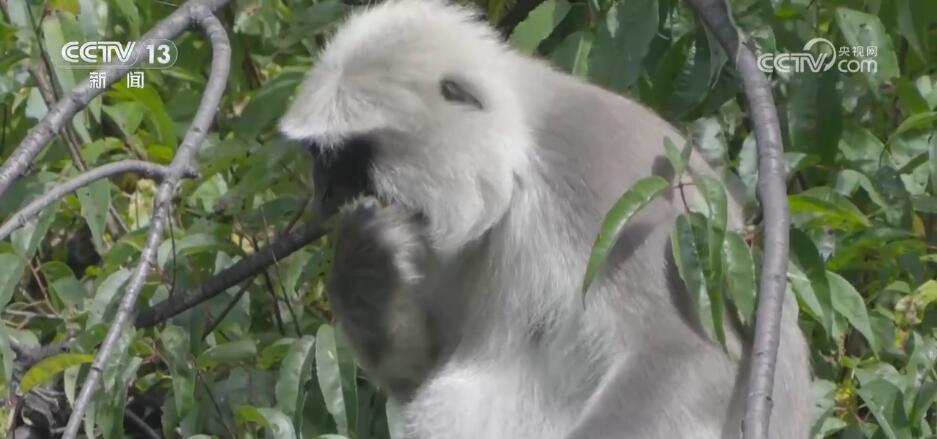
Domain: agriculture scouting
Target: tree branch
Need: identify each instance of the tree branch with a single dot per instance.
(19, 219)
(772, 193)
(194, 12)
(238, 272)
(61, 113)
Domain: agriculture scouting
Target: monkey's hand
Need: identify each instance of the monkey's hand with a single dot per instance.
(379, 254)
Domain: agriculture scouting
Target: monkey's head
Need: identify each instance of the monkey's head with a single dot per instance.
(411, 102)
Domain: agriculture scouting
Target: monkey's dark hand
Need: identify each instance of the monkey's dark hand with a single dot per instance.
(377, 247)
(379, 255)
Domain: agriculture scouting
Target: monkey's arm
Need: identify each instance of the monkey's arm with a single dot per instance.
(373, 289)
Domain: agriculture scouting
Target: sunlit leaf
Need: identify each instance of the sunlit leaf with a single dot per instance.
(805, 255)
(740, 276)
(622, 39)
(295, 371)
(631, 202)
(231, 353)
(539, 24)
(329, 376)
(573, 53)
(862, 29)
(95, 201)
(48, 367)
(276, 423)
(849, 303)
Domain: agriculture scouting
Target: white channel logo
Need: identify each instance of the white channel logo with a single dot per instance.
(823, 59)
(156, 54)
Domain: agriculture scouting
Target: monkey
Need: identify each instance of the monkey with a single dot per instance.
(469, 182)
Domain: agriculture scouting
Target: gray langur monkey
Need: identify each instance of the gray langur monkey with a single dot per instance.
(472, 180)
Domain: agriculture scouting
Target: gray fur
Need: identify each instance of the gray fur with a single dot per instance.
(459, 289)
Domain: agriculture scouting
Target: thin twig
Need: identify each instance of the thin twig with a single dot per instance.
(62, 112)
(214, 402)
(276, 267)
(276, 302)
(21, 218)
(141, 425)
(194, 12)
(234, 301)
(772, 194)
(248, 267)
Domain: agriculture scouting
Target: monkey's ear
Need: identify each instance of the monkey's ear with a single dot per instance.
(459, 91)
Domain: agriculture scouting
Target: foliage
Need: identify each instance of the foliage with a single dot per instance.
(861, 149)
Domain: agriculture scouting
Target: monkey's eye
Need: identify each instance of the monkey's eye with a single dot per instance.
(452, 91)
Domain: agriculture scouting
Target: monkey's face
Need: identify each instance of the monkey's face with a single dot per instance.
(416, 113)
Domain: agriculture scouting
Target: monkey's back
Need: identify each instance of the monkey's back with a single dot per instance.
(592, 145)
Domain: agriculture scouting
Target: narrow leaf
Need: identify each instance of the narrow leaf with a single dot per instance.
(49, 367)
(632, 201)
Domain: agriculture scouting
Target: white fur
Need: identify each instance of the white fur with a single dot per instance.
(491, 173)
(380, 75)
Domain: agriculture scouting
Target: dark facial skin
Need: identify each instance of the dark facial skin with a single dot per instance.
(341, 173)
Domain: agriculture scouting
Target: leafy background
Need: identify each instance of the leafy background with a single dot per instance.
(861, 151)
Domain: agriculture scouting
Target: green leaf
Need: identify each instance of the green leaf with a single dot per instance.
(539, 24)
(933, 164)
(715, 227)
(27, 239)
(740, 276)
(157, 118)
(804, 254)
(69, 291)
(678, 158)
(95, 201)
(920, 364)
(858, 145)
(632, 201)
(126, 115)
(56, 29)
(177, 349)
(267, 105)
(329, 375)
(11, 270)
(686, 255)
(828, 208)
(228, 354)
(112, 404)
(49, 367)
(907, 10)
(622, 39)
(925, 203)
(295, 371)
(814, 113)
(914, 122)
(106, 296)
(851, 178)
(861, 29)
(276, 423)
(885, 401)
(572, 54)
(849, 303)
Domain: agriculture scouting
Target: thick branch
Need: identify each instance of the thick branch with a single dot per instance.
(772, 193)
(19, 219)
(198, 12)
(238, 272)
(62, 112)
